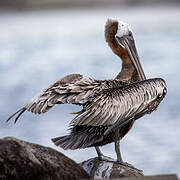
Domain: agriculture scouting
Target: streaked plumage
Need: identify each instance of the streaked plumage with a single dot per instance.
(107, 105)
(110, 107)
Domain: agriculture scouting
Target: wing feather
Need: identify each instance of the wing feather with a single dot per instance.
(72, 89)
(122, 104)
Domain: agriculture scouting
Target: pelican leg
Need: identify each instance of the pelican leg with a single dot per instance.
(101, 157)
(99, 153)
(119, 157)
(118, 152)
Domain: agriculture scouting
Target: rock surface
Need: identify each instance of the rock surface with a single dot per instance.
(26, 161)
(21, 160)
(157, 177)
(102, 169)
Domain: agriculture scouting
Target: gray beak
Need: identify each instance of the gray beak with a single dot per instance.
(127, 42)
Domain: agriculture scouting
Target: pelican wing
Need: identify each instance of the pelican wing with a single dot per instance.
(72, 89)
(116, 106)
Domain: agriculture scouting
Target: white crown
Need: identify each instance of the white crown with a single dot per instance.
(123, 29)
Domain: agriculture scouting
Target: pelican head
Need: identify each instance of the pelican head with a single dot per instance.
(119, 36)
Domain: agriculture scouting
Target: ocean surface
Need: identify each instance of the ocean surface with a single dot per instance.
(37, 48)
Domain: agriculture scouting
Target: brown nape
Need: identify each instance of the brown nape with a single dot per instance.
(111, 28)
(128, 72)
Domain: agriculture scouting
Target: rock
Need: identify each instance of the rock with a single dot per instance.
(21, 160)
(157, 177)
(26, 161)
(103, 169)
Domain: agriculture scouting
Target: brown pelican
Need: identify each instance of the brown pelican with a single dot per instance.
(110, 107)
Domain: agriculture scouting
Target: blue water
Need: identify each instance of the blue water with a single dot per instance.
(38, 48)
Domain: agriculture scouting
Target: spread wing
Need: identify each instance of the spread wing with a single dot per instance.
(117, 106)
(72, 89)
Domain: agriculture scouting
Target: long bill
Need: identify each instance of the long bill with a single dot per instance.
(128, 43)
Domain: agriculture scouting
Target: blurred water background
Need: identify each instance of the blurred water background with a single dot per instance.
(37, 47)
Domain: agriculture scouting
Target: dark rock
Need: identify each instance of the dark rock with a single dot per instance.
(157, 177)
(102, 169)
(20, 160)
(26, 161)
